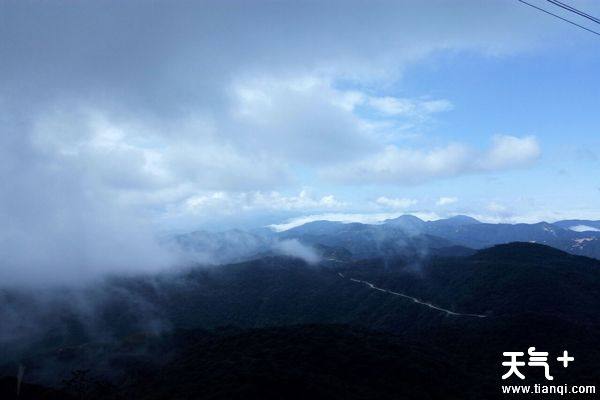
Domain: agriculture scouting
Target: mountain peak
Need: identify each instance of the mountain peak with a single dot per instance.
(522, 251)
(457, 220)
(463, 219)
(317, 227)
(408, 223)
(404, 219)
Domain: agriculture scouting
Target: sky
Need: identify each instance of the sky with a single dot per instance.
(124, 119)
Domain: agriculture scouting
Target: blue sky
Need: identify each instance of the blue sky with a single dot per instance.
(551, 93)
(125, 118)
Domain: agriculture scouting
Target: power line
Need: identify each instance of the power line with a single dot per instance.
(559, 17)
(574, 10)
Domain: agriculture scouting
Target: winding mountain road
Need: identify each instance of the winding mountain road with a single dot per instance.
(414, 299)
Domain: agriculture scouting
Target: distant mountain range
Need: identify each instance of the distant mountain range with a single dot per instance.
(406, 236)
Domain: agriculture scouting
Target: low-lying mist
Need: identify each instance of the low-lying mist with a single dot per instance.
(40, 322)
(214, 248)
(53, 317)
(63, 221)
(89, 281)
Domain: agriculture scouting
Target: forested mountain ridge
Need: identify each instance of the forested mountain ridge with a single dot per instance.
(284, 317)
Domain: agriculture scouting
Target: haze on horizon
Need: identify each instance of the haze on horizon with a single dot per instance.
(124, 120)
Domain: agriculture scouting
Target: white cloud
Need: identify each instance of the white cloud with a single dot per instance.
(408, 166)
(583, 228)
(309, 120)
(293, 248)
(443, 201)
(511, 152)
(496, 207)
(394, 106)
(272, 124)
(397, 203)
(300, 119)
(413, 166)
(231, 203)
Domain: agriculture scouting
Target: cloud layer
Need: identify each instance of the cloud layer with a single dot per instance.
(412, 166)
(115, 117)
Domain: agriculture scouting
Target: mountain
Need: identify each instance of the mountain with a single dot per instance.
(411, 236)
(406, 236)
(293, 362)
(222, 247)
(480, 235)
(457, 220)
(483, 235)
(408, 223)
(350, 329)
(318, 228)
(367, 241)
(27, 391)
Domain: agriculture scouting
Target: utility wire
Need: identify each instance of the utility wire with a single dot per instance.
(559, 17)
(574, 10)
